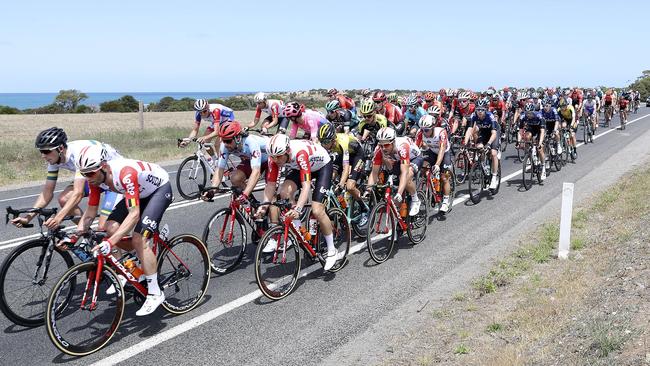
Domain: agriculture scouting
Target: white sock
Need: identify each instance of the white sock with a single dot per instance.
(152, 284)
(414, 197)
(445, 198)
(329, 239)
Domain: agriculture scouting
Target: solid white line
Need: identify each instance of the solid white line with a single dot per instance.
(27, 196)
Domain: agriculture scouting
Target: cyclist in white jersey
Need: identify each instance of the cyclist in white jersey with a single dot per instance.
(436, 153)
(215, 114)
(147, 194)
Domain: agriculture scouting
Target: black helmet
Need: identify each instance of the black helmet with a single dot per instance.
(51, 138)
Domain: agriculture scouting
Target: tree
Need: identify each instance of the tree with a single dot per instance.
(125, 104)
(69, 99)
(642, 84)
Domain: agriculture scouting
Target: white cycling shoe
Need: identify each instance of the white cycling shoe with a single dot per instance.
(444, 207)
(270, 246)
(331, 260)
(494, 183)
(151, 304)
(415, 208)
(111, 290)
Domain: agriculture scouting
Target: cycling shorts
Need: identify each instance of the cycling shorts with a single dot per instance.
(323, 179)
(431, 158)
(152, 209)
(484, 137)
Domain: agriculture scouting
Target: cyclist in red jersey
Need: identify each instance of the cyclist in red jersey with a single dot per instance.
(345, 102)
(461, 109)
(498, 107)
(393, 114)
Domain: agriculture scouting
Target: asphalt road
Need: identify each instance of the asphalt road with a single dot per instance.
(330, 318)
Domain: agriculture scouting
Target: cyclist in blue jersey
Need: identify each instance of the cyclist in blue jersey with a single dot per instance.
(535, 130)
(215, 115)
(412, 115)
(485, 130)
(552, 118)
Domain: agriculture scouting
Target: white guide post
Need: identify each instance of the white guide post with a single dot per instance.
(565, 220)
(141, 114)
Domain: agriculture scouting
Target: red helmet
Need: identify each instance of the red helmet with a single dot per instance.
(506, 89)
(442, 92)
(429, 96)
(229, 130)
(379, 96)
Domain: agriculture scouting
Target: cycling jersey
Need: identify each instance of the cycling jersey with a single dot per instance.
(486, 126)
(72, 153)
(346, 145)
(253, 150)
(345, 102)
(535, 120)
(379, 122)
(590, 106)
(305, 156)
(342, 116)
(498, 106)
(414, 117)
(576, 97)
(567, 113)
(433, 142)
(458, 111)
(551, 115)
(274, 108)
(218, 112)
(393, 113)
(311, 121)
(404, 150)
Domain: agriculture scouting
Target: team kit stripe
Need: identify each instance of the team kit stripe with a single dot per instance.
(52, 175)
(132, 202)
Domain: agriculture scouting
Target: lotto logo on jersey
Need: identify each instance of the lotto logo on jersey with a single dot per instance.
(302, 162)
(149, 222)
(403, 152)
(256, 154)
(128, 184)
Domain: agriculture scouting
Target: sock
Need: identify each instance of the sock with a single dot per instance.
(152, 284)
(445, 199)
(329, 239)
(414, 197)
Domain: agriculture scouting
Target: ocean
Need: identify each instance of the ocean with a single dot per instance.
(34, 100)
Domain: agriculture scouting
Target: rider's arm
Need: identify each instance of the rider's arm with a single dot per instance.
(217, 177)
(252, 181)
(42, 200)
(75, 197)
(195, 131)
(93, 206)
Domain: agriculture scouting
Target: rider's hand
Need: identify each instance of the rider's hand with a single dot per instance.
(397, 198)
(52, 223)
(207, 195)
(201, 139)
(261, 211)
(20, 221)
(243, 199)
(251, 125)
(183, 143)
(104, 247)
(436, 169)
(479, 146)
(292, 214)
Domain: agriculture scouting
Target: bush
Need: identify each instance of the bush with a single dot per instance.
(82, 108)
(48, 109)
(169, 104)
(125, 104)
(9, 110)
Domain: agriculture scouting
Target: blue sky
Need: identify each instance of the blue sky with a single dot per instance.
(289, 45)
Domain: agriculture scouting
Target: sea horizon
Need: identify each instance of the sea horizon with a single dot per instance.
(35, 100)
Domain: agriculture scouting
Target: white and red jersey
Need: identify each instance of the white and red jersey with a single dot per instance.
(305, 156)
(274, 108)
(433, 142)
(404, 150)
(134, 179)
(72, 153)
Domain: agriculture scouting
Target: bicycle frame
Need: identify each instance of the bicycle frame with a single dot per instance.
(302, 242)
(390, 205)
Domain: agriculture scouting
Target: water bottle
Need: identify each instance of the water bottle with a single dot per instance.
(70, 242)
(131, 265)
(436, 182)
(313, 226)
(403, 210)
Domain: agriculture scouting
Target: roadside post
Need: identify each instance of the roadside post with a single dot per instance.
(565, 220)
(141, 114)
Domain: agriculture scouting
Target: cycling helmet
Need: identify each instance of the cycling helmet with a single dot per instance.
(292, 109)
(483, 103)
(260, 97)
(326, 132)
(535, 95)
(530, 107)
(366, 93)
(523, 95)
(590, 96)
(442, 92)
(278, 145)
(332, 105)
(51, 138)
(386, 134)
(429, 96)
(411, 101)
(200, 104)
(464, 95)
(91, 158)
(563, 102)
(490, 92)
(367, 107)
(434, 110)
(379, 96)
(427, 122)
(547, 102)
(332, 91)
(392, 97)
(229, 130)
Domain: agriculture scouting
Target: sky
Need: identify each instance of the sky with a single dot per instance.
(140, 46)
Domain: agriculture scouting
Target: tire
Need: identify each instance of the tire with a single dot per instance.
(225, 253)
(504, 141)
(358, 229)
(16, 278)
(495, 191)
(557, 162)
(520, 154)
(71, 329)
(475, 182)
(189, 177)
(381, 233)
(527, 171)
(275, 279)
(565, 152)
(584, 131)
(342, 236)
(461, 166)
(417, 225)
(183, 273)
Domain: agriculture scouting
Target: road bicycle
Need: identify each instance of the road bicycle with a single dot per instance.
(195, 170)
(532, 166)
(28, 272)
(277, 272)
(432, 187)
(553, 158)
(480, 174)
(587, 128)
(83, 315)
(387, 222)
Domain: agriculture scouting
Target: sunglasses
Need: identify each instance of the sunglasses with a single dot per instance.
(368, 116)
(205, 111)
(464, 101)
(326, 142)
(481, 110)
(386, 146)
(228, 142)
(45, 152)
(427, 130)
(89, 174)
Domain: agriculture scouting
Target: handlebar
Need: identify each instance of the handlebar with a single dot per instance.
(193, 139)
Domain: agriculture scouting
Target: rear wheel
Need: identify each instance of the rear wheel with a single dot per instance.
(461, 166)
(277, 272)
(417, 225)
(475, 182)
(225, 236)
(381, 233)
(191, 173)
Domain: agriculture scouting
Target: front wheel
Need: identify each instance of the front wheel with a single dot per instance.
(277, 272)
(528, 170)
(342, 236)
(381, 233)
(225, 236)
(191, 173)
(183, 273)
(475, 182)
(80, 327)
(417, 225)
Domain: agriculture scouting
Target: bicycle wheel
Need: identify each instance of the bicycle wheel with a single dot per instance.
(342, 236)
(417, 225)
(191, 173)
(557, 160)
(183, 273)
(277, 272)
(225, 237)
(495, 191)
(26, 280)
(521, 152)
(461, 166)
(381, 233)
(584, 132)
(528, 170)
(504, 138)
(358, 221)
(475, 182)
(565, 151)
(76, 329)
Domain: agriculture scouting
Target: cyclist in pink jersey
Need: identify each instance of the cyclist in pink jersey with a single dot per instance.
(307, 120)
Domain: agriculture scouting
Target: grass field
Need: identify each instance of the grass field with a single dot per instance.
(21, 162)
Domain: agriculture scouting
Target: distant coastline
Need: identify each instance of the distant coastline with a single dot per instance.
(35, 100)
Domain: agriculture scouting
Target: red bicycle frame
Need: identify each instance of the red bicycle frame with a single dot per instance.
(288, 226)
(390, 206)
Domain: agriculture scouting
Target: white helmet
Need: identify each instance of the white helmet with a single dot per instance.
(260, 97)
(386, 134)
(427, 121)
(91, 158)
(433, 110)
(278, 145)
(200, 104)
(464, 95)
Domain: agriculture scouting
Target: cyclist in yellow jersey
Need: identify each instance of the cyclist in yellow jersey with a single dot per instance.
(371, 122)
(568, 117)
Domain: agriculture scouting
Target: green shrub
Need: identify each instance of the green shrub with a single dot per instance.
(9, 110)
(125, 104)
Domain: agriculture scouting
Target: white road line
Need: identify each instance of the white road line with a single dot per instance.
(223, 309)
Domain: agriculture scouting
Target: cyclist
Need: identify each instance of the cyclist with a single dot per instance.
(535, 132)
(389, 151)
(590, 107)
(461, 110)
(61, 154)
(307, 120)
(391, 111)
(569, 120)
(577, 97)
(344, 101)
(147, 194)
(430, 100)
(412, 116)
(623, 103)
(371, 121)
(251, 149)
(432, 140)
(273, 107)
(609, 100)
(213, 113)
(485, 130)
(436, 112)
(498, 106)
(303, 158)
(341, 117)
(550, 115)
